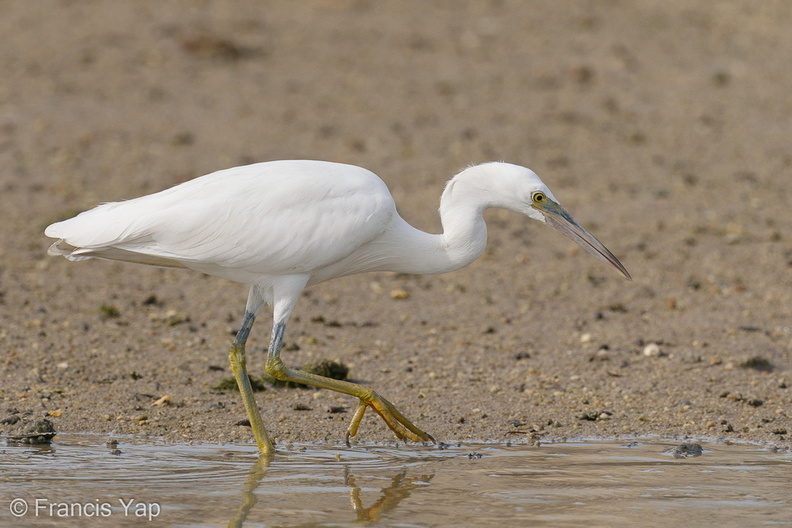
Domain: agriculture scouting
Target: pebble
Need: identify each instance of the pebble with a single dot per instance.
(399, 294)
(652, 350)
(36, 432)
(687, 450)
(165, 400)
(595, 416)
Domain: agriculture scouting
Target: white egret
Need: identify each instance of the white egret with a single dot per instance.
(281, 226)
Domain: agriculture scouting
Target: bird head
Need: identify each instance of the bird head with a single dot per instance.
(519, 189)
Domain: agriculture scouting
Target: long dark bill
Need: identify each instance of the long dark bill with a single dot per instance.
(558, 218)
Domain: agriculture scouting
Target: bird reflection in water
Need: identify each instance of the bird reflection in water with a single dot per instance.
(400, 488)
(390, 496)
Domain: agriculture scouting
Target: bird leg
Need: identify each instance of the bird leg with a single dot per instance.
(239, 366)
(395, 420)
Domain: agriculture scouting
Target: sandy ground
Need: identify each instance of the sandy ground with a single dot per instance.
(663, 127)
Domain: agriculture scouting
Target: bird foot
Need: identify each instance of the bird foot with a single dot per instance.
(398, 423)
(394, 419)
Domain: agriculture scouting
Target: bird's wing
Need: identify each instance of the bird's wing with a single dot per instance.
(269, 218)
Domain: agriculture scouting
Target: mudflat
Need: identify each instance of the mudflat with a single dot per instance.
(663, 127)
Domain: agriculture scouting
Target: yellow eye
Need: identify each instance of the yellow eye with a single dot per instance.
(538, 197)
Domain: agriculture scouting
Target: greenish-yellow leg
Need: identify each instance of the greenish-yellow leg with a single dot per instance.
(394, 419)
(239, 366)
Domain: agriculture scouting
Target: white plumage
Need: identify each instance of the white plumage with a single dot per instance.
(238, 223)
(280, 226)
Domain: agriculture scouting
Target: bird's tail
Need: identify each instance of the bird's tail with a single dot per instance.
(98, 234)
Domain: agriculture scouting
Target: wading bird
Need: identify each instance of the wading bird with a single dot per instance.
(281, 226)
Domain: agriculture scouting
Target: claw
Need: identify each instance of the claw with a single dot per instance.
(395, 420)
(403, 428)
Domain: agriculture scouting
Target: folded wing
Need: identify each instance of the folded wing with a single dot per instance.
(270, 218)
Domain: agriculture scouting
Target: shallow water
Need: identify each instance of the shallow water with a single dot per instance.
(80, 481)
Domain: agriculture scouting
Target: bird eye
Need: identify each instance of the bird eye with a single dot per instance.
(538, 197)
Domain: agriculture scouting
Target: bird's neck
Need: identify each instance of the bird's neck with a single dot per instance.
(464, 235)
(463, 240)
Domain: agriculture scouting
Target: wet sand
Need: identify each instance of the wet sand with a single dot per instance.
(663, 128)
